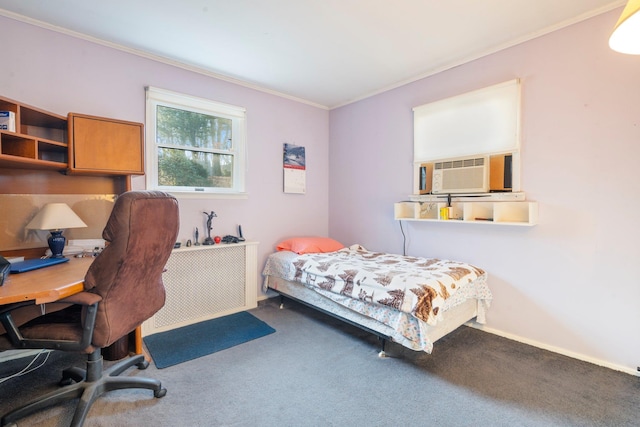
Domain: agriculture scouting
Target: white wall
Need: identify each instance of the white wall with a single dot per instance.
(568, 284)
(62, 74)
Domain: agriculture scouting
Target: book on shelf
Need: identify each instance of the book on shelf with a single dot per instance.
(8, 121)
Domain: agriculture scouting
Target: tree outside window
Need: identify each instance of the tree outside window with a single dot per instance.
(195, 149)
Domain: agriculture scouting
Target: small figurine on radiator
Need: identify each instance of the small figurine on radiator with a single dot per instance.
(210, 216)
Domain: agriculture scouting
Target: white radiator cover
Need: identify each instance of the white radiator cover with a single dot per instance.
(205, 282)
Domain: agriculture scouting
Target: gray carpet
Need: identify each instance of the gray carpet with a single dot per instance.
(316, 371)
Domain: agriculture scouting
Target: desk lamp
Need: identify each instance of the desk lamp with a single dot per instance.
(55, 217)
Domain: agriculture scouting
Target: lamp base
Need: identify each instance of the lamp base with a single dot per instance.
(56, 243)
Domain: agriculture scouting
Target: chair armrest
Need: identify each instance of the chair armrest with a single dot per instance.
(10, 307)
(88, 300)
(82, 298)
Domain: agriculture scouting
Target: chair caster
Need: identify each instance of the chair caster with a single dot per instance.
(143, 365)
(160, 393)
(66, 382)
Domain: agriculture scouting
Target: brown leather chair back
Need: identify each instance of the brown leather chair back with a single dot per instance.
(140, 235)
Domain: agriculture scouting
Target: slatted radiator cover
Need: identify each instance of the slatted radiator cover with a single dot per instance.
(205, 282)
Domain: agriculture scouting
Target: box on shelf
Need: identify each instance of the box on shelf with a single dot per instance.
(8, 121)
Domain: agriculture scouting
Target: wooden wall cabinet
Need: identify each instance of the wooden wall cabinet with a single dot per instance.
(39, 140)
(37, 157)
(77, 144)
(106, 146)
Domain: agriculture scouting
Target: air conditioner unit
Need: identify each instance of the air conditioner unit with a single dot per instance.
(461, 175)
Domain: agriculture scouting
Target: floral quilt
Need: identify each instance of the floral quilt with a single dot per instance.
(418, 286)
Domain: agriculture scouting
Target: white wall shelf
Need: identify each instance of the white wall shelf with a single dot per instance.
(520, 213)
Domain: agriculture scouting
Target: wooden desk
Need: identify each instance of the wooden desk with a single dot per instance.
(46, 284)
(53, 283)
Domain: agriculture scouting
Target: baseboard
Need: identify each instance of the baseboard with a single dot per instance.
(263, 298)
(554, 349)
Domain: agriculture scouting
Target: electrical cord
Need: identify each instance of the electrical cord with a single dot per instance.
(28, 368)
(404, 240)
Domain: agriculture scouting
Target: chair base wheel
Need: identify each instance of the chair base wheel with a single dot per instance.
(66, 382)
(87, 391)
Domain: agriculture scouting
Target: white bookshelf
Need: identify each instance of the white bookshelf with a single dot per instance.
(519, 213)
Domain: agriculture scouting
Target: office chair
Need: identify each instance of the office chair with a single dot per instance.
(123, 287)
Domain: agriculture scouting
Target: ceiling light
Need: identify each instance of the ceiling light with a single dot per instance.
(626, 34)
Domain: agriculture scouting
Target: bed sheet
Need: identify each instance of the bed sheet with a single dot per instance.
(406, 328)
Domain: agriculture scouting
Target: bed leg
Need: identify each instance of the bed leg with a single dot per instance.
(281, 302)
(382, 354)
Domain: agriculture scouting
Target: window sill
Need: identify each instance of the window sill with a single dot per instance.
(200, 195)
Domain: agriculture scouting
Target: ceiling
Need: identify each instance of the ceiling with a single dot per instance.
(323, 52)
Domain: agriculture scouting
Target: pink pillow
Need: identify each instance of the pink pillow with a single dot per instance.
(309, 245)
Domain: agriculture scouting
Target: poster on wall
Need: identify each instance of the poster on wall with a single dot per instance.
(294, 161)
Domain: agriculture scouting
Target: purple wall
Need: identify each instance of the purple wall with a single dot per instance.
(568, 284)
(62, 74)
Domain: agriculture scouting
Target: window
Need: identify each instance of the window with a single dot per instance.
(194, 145)
(483, 122)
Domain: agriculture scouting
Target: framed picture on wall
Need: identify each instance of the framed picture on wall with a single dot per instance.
(294, 162)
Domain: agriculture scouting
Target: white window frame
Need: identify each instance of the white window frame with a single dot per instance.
(160, 97)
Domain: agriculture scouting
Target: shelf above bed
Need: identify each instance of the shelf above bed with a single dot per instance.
(518, 213)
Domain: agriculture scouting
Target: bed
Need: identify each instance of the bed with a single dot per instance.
(408, 300)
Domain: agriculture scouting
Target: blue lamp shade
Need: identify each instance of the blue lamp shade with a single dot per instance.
(55, 217)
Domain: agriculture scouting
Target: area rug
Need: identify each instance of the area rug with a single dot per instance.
(203, 338)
